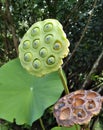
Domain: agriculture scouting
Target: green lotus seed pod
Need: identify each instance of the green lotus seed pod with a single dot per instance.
(36, 63)
(26, 44)
(43, 47)
(43, 52)
(36, 43)
(51, 60)
(28, 57)
(48, 27)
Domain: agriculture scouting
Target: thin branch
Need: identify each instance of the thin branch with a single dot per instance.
(82, 36)
(97, 68)
(99, 87)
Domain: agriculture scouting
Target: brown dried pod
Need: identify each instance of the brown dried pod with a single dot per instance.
(77, 107)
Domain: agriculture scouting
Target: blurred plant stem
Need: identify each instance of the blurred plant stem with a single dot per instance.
(63, 80)
(41, 123)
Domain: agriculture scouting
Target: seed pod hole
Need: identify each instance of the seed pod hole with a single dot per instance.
(27, 57)
(57, 46)
(91, 95)
(48, 27)
(91, 105)
(43, 52)
(26, 44)
(80, 113)
(36, 43)
(49, 38)
(36, 63)
(65, 114)
(78, 96)
(51, 60)
(34, 31)
(78, 102)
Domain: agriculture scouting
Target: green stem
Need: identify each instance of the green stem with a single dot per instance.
(41, 123)
(63, 80)
(76, 126)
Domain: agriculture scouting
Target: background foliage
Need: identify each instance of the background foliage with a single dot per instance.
(82, 21)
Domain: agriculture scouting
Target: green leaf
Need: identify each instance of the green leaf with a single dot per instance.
(24, 97)
(66, 128)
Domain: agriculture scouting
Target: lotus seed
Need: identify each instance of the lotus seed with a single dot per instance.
(36, 64)
(28, 57)
(51, 60)
(61, 105)
(26, 44)
(36, 43)
(43, 52)
(35, 31)
(90, 106)
(48, 38)
(48, 27)
(57, 46)
(79, 114)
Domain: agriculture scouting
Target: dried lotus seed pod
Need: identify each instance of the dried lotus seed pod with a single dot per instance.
(43, 47)
(77, 107)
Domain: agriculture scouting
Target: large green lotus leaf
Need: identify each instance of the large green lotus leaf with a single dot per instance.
(24, 97)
